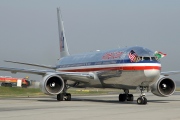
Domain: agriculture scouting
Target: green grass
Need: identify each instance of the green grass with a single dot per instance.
(90, 91)
(15, 92)
(35, 92)
(178, 89)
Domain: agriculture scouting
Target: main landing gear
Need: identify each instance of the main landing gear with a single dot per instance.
(64, 95)
(126, 96)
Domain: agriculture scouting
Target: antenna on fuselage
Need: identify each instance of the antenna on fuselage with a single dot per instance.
(62, 38)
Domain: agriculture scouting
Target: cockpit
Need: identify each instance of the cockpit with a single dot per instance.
(140, 54)
(142, 58)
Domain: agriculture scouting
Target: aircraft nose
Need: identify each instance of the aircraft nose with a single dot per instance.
(152, 73)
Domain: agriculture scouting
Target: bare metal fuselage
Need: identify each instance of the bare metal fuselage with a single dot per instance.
(111, 69)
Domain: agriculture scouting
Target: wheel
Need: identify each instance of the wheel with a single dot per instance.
(140, 100)
(2, 84)
(10, 85)
(130, 97)
(24, 86)
(60, 97)
(68, 97)
(145, 100)
(122, 97)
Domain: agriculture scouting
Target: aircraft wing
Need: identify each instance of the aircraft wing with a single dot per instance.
(68, 75)
(32, 64)
(170, 73)
(23, 70)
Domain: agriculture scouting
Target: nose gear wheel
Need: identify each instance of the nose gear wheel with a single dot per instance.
(142, 100)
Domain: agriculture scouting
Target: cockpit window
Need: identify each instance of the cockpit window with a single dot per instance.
(141, 58)
(153, 58)
(146, 58)
(138, 59)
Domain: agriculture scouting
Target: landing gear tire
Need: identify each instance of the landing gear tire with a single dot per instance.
(122, 97)
(142, 101)
(10, 85)
(64, 96)
(24, 86)
(145, 101)
(60, 97)
(130, 97)
(6, 84)
(2, 84)
(68, 97)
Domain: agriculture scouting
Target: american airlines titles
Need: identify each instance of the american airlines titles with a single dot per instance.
(112, 55)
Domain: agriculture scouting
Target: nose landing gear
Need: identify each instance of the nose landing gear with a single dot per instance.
(142, 100)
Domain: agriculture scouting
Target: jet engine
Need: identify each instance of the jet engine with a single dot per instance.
(163, 87)
(52, 84)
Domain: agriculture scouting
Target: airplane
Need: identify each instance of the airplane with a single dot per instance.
(120, 68)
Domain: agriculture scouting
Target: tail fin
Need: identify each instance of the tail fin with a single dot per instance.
(62, 39)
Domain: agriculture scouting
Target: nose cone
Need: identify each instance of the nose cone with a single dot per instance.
(152, 73)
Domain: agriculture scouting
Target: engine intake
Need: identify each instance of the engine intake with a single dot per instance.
(52, 84)
(164, 87)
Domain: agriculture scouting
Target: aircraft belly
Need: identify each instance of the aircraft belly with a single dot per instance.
(122, 79)
(132, 78)
(114, 79)
(127, 79)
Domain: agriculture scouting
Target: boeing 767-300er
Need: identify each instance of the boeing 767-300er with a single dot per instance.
(121, 68)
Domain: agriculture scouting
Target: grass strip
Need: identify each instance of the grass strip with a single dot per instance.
(35, 92)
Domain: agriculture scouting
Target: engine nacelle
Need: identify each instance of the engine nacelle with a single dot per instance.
(163, 87)
(52, 84)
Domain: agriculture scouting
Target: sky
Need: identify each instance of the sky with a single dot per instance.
(29, 32)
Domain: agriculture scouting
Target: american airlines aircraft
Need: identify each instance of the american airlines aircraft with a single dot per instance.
(122, 68)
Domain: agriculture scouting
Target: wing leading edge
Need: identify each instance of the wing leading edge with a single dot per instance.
(170, 73)
(32, 64)
(74, 76)
(23, 70)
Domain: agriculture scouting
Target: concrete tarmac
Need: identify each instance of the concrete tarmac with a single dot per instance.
(98, 107)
